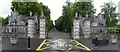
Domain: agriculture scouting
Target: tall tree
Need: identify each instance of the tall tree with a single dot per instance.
(84, 8)
(110, 14)
(59, 23)
(47, 13)
(25, 8)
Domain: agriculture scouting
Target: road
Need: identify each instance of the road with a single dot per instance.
(56, 34)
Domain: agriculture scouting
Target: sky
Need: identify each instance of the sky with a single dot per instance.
(54, 5)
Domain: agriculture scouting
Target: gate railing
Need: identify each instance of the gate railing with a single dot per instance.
(10, 30)
(106, 30)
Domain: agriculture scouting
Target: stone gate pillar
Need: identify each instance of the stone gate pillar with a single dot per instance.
(31, 26)
(76, 28)
(86, 29)
(42, 27)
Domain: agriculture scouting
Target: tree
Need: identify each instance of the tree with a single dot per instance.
(59, 23)
(110, 14)
(4, 21)
(47, 13)
(84, 8)
(1, 21)
(25, 8)
(65, 21)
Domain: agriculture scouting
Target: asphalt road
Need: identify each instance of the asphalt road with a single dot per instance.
(57, 35)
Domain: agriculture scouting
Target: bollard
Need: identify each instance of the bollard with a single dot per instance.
(28, 42)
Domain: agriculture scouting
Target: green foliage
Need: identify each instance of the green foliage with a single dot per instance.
(65, 21)
(101, 37)
(118, 26)
(1, 20)
(49, 22)
(24, 8)
(84, 8)
(109, 14)
(4, 21)
(59, 23)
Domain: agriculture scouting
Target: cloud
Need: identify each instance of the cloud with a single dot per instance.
(5, 7)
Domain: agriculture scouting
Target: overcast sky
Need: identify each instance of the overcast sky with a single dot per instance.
(54, 5)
